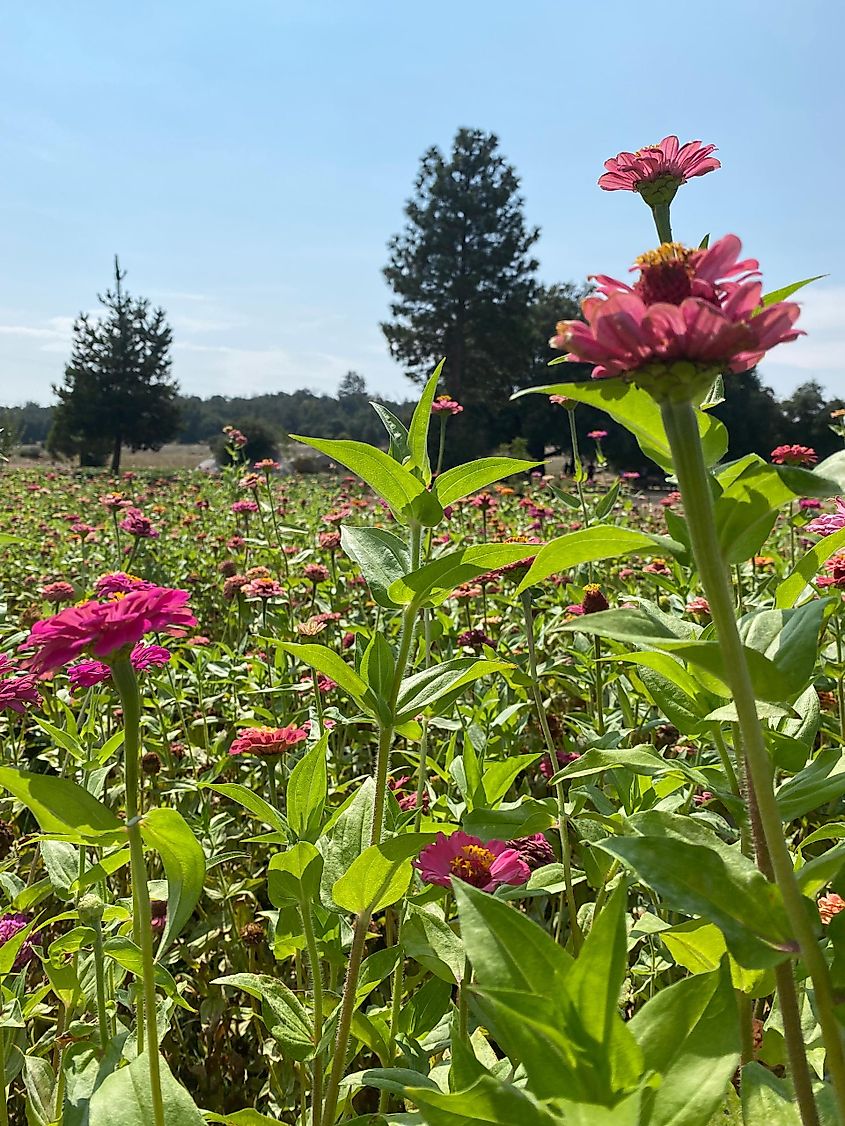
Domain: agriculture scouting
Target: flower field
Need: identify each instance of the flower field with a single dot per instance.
(432, 796)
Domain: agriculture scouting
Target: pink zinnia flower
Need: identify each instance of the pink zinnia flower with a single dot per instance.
(315, 572)
(691, 311)
(808, 504)
(835, 567)
(831, 521)
(263, 588)
(104, 627)
(137, 524)
(443, 404)
(657, 171)
(9, 927)
(88, 673)
(830, 905)
(265, 742)
(485, 866)
(58, 592)
(118, 582)
(597, 435)
(17, 693)
(794, 455)
(146, 657)
(244, 506)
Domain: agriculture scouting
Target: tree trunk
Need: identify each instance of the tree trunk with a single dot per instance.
(116, 452)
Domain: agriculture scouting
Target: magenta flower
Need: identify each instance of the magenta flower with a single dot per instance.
(597, 435)
(244, 506)
(118, 582)
(691, 311)
(146, 657)
(17, 693)
(485, 866)
(87, 674)
(657, 171)
(10, 925)
(137, 524)
(104, 627)
(830, 522)
(443, 404)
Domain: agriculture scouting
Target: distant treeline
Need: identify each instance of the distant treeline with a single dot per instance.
(756, 419)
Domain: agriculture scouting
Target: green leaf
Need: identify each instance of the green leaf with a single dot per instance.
(420, 423)
(488, 1102)
(591, 545)
(382, 556)
(182, 856)
(423, 689)
(326, 661)
(833, 468)
(379, 876)
(293, 877)
(788, 639)
(508, 950)
(500, 776)
(124, 951)
(787, 291)
(639, 413)
(766, 1101)
(432, 583)
(689, 1035)
(700, 947)
(40, 1086)
(696, 873)
(795, 585)
(816, 785)
(252, 802)
(397, 431)
(378, 669)
(459, 482)
(429, 940)
(284, 1014)
(521, 818)
(125, 1096)
(348, 838)
(61, 806)
(10, 948)
(307, 790)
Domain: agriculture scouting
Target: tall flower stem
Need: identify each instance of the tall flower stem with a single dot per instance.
(317, 988)
(682, 430)
(563, 829)
(662, 222)
(441, 445)
(578, 466)
(123, 676)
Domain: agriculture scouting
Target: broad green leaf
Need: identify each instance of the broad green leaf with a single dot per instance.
(10, 948)
(379, 876)
(60, 806)
(420, 423)
(125, 1096)
(689, 1034)
(40, 1086)
(797, 582)
(489, 1102)
(378, 669)
(507, 950)
(766, 1101)
(182, 856)
(833, 468)
(397, 432)
(393, 483)
(499, 776)
(346, 839)
(645, 760)
(695, 872)
(293, 877)
(700, 947)
(429, 940)
(326, 661)
(639, 413)
(787, 638)
(307, 790)
(590, 545)
(521, 818)
(382, 556)
(252, 802)
(432, 583)
(817, 784)
(459, 482)
(124, 951)
(423, 689)
(284, 1014)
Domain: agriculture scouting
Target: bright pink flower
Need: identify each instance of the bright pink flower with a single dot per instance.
(597, 435)
(88, 673)
(690, 311)
(835, 577)
(265, 742)
(17, 693)
(104, 627)
(262, 588)
(666, 165)
(485, 866)
(9, 927)
(794, 455)
(444, 405)
(829, 523)
(809, 504)
(118, 582)
(146, 657)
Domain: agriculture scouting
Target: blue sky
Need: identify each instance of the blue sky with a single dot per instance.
(250, 160)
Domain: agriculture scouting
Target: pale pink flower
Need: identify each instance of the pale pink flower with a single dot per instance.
(830, 522)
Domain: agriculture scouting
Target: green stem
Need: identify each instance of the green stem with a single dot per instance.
(317, 988)
(662, 222)
(123, 676)
(100, 974)
(578, 466)
(682, 430)
(599, 680)
(442, 443)
(4, 1109)
(347, 1009)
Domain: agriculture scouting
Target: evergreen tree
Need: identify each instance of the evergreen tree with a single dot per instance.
(464, 280)
(117, 388)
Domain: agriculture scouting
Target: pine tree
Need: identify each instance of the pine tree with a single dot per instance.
(117, 388)
(463, 276)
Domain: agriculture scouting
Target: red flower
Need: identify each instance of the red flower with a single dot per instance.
(794, 455)
(266, 742)
(657, 171)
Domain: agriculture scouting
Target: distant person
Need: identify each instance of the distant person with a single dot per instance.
(591, 471)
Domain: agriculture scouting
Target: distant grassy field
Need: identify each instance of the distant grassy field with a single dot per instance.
(172, 456)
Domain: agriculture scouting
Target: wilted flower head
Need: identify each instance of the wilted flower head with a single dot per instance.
(484, 865)
(698, 607)
(692, 315)
(443, 404)
(830, 905)
(657, 171)
(535, 851)
(315, 572)
(474, 638)
(794, 455)
(829, 523)
(594, 600)
(104, 627)
(265, 742)
(58, 592)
